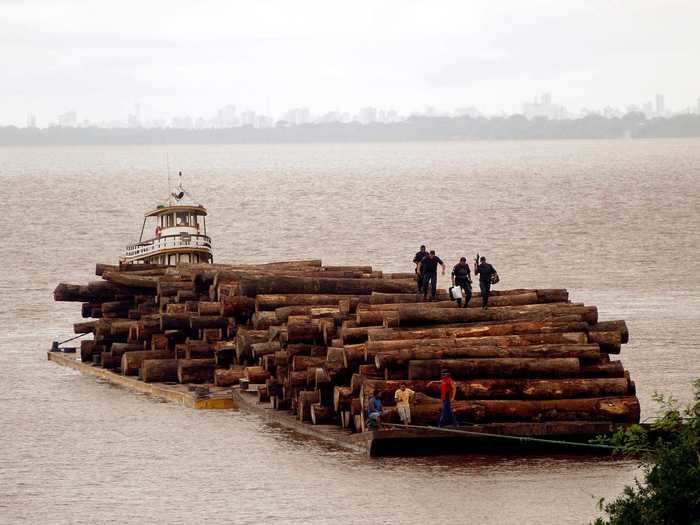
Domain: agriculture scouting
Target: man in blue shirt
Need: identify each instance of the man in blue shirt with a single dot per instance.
(428, 268)
(374, 411)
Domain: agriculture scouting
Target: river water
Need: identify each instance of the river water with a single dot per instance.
(615, 222)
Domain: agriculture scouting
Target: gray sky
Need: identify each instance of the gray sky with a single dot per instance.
(192, 57)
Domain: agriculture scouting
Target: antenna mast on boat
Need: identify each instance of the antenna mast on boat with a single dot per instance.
(167, 163)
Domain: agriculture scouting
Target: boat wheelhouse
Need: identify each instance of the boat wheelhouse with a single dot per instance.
(179, 233)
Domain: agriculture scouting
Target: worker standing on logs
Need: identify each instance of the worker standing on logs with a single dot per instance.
(461, 276)
(486, 274)
(420, 255)
(448, 392)
(374, 411)
(403, 397)
(428, 268)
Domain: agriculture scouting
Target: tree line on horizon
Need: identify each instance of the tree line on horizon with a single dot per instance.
(514, 127)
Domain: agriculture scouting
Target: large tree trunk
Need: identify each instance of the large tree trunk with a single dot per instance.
(501, 388)
(158, 370)
(416, 315)
(272, 284)
(478, 330)
(400, 358)
(302, 362)
(195, 370)
(617, 409)
(502, 341)
(272, 302)
(321, 414)
(131, 361)
(494, 368)
(305, 400)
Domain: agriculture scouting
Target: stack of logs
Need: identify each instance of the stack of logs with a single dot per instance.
(318, 340)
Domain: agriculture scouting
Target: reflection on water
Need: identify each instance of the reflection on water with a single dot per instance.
(614, 221)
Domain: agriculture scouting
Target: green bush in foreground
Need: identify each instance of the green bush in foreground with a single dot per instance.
(670, 460)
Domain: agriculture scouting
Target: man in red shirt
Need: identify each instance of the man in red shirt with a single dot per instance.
(448, 391)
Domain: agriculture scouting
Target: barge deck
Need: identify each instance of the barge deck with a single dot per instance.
(219, 398)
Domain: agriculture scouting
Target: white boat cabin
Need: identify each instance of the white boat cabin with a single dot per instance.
(176, 231)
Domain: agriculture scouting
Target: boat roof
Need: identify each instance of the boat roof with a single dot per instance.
(164, 208)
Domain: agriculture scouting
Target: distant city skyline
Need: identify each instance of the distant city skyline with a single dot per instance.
(543, 105)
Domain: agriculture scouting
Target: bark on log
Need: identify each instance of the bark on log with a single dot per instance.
(87, 348)
(259, 350)
(131, 361)
(400, 358)
(479, 330)
(256, 374)
(131, 280)
(341, 398)
(239, 307)
(500, 341)
(195, 370)
(253, 286)
(245, 338)
(320, 414)
(304, 401)
(158, 370)
(411, 315)
(503, 388)
(264, 320)
(617, 409)
(272, 302)
(302, 362)
(494, 368)
(200, 322)
(119, 349)
(109, 361)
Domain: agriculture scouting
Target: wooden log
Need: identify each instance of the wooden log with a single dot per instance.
(494, 368)
(129, 279)
(304, 401)
(263, 395)
(209, 308)
(320, 414)
(355, 335)
(503, 341)
(110, 361)
(274, 301)
(195, 370)
(302, 362)
(617, 409)
(412, 315)
(179, 321)
(85, 327)
(253, 286)
(245, 338)
(119, 349)
(502, 388)
(87, 348)
(302, 333)
(341, 398)
(256, 374)
(259, 350)
(131, 361)
(400, 358)
(479, 330)
(613, 326)
(354, 355)
(322, 380)
(158, 370)
(199, 322)
(239, 307)
(602, 369)
(264, 320)
(295, 379)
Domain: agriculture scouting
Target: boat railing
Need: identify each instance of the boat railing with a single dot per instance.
(169, 242)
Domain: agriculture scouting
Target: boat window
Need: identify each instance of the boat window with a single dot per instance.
(167, 220)
(182, 218)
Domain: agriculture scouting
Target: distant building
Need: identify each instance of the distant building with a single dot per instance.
(660, 105)
(69, 119)
(297, 116)
(544, 108)
(31, 120)
(367, 115)
(185, 122)
(226, 117)
(469, 111)
(648, 109)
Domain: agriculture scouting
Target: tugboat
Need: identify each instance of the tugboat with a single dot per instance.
(179, 233)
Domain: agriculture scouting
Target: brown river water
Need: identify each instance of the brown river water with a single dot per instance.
(615, 222)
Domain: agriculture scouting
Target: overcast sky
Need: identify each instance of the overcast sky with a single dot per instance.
(192, 57)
